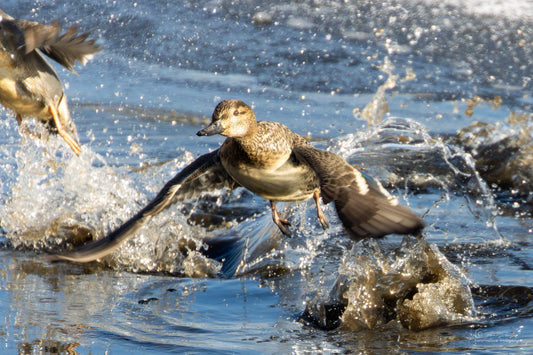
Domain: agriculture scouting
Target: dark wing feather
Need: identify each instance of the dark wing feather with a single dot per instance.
(204, 174)
(363, 205)
(69, 48)
(65, 49)
(37, 34)
(11, 33)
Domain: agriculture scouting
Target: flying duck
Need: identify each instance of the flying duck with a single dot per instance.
(29, 85)
(279, 165)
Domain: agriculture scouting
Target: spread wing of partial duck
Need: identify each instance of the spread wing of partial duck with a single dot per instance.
(202, 175)
(364, 207)
(30, 85)
(66, 48)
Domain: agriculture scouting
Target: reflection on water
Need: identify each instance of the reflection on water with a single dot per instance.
(60, 307)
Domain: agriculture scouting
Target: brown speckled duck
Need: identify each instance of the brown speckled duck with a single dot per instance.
(279, 165)
(29, 85)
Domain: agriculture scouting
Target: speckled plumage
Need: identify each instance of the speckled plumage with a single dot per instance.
(265, 164)
(29, 85)
(277, 164)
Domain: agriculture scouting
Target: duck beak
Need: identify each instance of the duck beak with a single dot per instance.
(213, 128)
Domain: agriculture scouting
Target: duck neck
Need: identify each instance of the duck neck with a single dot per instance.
(252, 135)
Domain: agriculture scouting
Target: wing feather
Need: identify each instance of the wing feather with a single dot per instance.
(65, 49)
(68, 48)
(204, 174)
(364, 207)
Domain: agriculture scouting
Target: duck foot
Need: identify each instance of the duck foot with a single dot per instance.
(280, 222)
(320, 214)
(71, 141)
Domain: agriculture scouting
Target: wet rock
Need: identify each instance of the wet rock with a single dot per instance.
(506, 161)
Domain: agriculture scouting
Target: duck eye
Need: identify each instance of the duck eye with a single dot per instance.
(236, 113)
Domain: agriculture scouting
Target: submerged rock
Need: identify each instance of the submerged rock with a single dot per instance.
(503, 156)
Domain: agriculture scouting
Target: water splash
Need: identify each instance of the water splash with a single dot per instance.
(503, 154)
(402, 154)
(52, 200)
(373, 112)
(51, 188)
(413, 285)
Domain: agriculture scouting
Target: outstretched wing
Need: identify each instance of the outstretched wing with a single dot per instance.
(65, 49)
(204, 174)
(365, 208)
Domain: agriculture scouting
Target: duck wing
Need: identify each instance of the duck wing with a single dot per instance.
(364, 207)
(204, 174)
(65, 49)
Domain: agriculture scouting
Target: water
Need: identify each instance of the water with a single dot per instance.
(432, 98)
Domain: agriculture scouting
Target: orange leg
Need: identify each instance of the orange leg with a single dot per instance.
(61, 130)
(280, 222)
(319, 212)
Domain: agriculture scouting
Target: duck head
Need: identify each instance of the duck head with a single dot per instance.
(231, 118)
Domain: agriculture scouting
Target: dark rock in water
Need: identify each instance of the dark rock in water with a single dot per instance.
(148, 300)
(503, 158)
(327, 313)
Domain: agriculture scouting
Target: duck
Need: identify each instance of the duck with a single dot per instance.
(29, 85)
(272, 162)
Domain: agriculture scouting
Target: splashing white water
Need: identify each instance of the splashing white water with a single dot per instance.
(52, 199)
